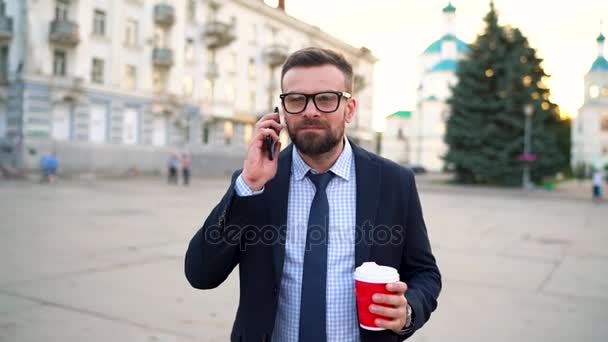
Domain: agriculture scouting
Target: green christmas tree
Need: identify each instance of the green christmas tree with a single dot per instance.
(485, 132)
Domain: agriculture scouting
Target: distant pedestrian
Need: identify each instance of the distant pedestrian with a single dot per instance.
(173, 164)
(186, 164)
(597, 181)
(48, 166)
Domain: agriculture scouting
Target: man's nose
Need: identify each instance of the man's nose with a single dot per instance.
(311, 110)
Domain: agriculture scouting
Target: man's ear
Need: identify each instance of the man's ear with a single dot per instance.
(351, 105)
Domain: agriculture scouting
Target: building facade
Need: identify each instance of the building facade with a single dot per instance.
(590, 127)
(395, 142)
(113, 85)
(427, 126)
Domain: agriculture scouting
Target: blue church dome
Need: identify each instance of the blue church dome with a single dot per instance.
(446, 65)
(435, 47)
(449, 8)
(600, 64)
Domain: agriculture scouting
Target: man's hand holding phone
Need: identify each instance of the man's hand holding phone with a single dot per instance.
(258, 168)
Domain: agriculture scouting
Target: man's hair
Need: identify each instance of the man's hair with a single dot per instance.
(313, 56)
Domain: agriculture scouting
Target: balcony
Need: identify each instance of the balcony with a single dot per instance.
(217, 34)
(64, 32)
(164, 14)
(166, 104)
(162, 57)
(6, 28)
(275, 55)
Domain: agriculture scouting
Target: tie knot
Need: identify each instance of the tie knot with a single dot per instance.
(320, 180)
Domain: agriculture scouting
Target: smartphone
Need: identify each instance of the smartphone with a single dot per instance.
(270, 143)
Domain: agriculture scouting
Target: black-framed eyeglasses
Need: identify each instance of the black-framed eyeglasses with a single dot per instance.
(326, 102)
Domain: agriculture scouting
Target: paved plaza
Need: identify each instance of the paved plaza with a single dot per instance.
(102, 260)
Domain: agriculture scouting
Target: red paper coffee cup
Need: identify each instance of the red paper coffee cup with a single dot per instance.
(371, 278)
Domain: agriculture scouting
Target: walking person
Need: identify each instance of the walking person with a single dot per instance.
(186, 165)
(173, 165)
(48, 166)
(597, 180)
(298, 225)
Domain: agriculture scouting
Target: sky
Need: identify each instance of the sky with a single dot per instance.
(398, 31)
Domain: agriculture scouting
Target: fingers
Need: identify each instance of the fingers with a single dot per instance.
(393, 307)
(390, 312)
(269, 124)
(390, 299)
(263, 133)
(269, 116)
(271, 120)
(398, 287)
(394, 325)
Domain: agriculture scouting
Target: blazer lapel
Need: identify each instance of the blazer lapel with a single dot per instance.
(368, 194)
(278, 191)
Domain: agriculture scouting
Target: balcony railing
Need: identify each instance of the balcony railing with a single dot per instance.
(276, 54)
(164, 14)
(64, 32)
(217, 34)
(162, 57)
(6, 28)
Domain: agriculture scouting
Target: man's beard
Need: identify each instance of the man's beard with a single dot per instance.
(315, 143)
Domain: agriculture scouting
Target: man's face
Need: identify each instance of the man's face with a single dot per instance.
(314, 132)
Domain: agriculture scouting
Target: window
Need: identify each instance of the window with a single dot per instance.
(604, 123)
(131, 32)
(188, 86)
(2, 8)
(59, 63)
(208, 90)
(251, 70)
(232, 63)
(158, 82)
(191, 10)
(3, 63)
(98, 123)
(97, 71)
(130, 126)
(594, 91)
(99, 23)
(228, 132)
(229, 93)
(62, 9)
(252, 99)
(248, 134)
(189, 50)
(269, 35)
(131, 77)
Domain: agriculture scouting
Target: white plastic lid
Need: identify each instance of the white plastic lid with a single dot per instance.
(370, 272)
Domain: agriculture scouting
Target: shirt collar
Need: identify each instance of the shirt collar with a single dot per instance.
(341, 168)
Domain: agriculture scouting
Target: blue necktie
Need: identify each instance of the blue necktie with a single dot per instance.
(312, 306)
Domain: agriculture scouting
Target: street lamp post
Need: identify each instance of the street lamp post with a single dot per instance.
(526, 183)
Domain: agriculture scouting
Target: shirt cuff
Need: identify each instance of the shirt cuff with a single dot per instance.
(243, 190)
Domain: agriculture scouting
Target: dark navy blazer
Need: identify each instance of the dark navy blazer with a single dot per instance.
(250, 232)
